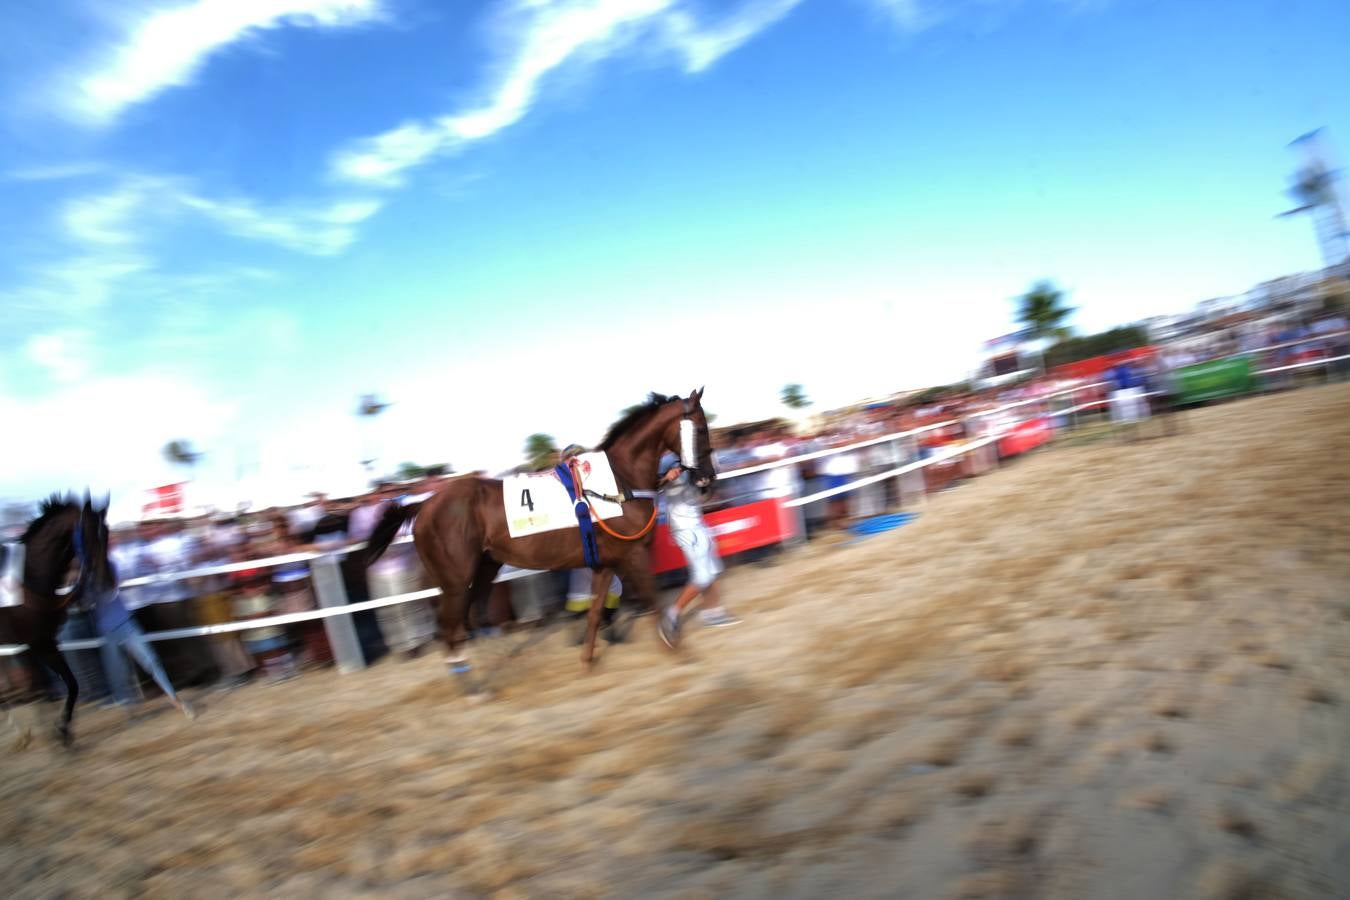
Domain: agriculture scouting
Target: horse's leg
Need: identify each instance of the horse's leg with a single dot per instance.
(636, 570)
(600, 582)
(48, 653)
(480, 590)
(452, 566)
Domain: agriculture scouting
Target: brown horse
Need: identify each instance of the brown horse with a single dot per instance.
(462, 537)
(64, 532)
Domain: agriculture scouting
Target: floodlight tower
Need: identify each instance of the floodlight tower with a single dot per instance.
(1314, 188)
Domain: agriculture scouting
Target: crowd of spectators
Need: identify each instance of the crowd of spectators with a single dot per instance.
(1270, 344)
(149, 551)
(974, 412)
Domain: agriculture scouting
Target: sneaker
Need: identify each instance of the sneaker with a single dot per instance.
(717, 618)
(668, 627)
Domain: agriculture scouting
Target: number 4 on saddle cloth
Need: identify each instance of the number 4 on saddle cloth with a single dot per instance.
(550, 501)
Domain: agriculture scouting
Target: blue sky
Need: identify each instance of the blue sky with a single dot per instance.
(224, 221)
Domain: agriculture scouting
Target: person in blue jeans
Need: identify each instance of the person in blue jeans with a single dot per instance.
(122, 635)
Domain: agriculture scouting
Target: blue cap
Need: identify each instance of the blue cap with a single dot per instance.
(668, 462)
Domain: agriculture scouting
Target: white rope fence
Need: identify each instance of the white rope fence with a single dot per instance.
(1307, 363)
(939, 457)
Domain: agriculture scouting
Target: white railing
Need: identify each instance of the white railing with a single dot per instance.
(1306, 364)
(1311, 339)
(939, 457)
(898, 435)
(507, 573)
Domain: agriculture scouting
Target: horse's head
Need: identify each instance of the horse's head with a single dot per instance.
(91, 546)
(66, 531)
(692, 443)
(665, 425)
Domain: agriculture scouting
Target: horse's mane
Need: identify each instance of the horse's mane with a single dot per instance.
(635, 416)
(52, 507)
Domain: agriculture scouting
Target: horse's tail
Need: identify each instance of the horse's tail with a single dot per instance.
(387, 528)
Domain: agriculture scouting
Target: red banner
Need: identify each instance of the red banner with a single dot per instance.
(1095, 367)
(1025, 436)
(737, 529)
(164, 501)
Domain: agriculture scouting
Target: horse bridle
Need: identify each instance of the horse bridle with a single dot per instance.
(688, 461)
(82, 557)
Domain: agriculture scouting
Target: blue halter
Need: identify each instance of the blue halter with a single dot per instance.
(81, 555)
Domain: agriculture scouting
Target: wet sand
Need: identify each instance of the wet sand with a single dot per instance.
(1102, 671)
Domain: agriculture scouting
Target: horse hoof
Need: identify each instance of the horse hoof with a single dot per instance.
(67, 739)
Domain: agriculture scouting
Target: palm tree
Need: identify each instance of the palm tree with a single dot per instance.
(180, 453)
(367, 408)
(409, 471)
(370, 405)
(541, 451)
(1043, 312)
(794, 397)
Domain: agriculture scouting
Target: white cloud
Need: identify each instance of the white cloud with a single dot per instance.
(381, 159)
(166, 48)
(104, 219)
(109, 231)
(542, 37)
(325, 231)
(55, 171)
(65, 355)
(73, 286)
(704, 45)
(908, 14)
(119, 218)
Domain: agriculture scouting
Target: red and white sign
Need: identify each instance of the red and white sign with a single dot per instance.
(164, 501)
(737, 529)
(1025, 436)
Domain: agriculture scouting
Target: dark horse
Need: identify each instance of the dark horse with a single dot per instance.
(462, 537)
(64, 532)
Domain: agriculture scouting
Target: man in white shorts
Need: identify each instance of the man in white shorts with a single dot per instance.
(684, 516)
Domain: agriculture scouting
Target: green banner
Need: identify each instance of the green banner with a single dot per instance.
(1215, 379)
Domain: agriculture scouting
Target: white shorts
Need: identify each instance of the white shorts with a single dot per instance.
(700, 554)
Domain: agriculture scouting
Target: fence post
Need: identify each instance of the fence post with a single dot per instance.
(331, 592)
(797, 485)
(527, 598)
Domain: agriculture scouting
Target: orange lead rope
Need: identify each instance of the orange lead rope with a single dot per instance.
(581, 491)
